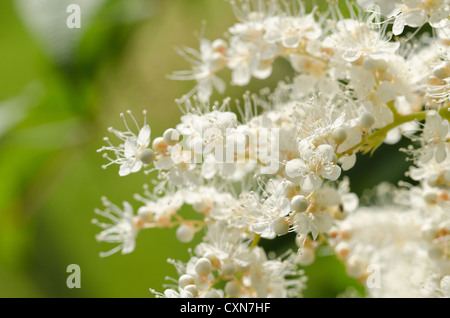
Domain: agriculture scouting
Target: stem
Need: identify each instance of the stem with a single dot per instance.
(393, 109)
(255, 241)
(382, 132)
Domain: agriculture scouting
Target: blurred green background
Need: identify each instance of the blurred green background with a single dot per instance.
(60, 89)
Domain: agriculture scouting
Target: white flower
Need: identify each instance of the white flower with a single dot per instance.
(413, 13)
(270, 279)
(435, 132)
(387, 8)
(133, 153)
(303, 225)
(314, 77)
(353, 39)
(290, 30)
(263, 213)
(205, 64)
(160, 210)
(416, 13)
(124, 229)
(249, 59)
(432, 171)
(313, 165)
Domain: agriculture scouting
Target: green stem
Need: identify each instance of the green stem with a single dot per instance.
(255, 241)
(382, 132)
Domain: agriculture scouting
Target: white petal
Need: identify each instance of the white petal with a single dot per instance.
(241, 76)
(294, 167)
(136, 166)
(441, 153)
(128, 246)
(351, 55)
(144, 136)
(331, 172)
(386, 92)
(205, 90)
(164, 163)
(399, 25)
(323, 221)
(310, 183)
(350, 202)
(219, 84)
(327, 152)
(347, 162)
(125, 169)
(285, 207)
(291, 41)
(130, 148)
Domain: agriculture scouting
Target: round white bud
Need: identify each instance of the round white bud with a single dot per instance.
(366, 119)
(232, 289)
(305, 256)
(147, 156)
(203, 266)
(228, 269)
(299, 203)
(159, 145)
(171, 136)
(192, 289)
(185, 233)
(281, 226)
(185, 280)
(339, 134)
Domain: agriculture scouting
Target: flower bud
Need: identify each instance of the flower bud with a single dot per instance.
(281, 226)
(366, 119)
(185, 280)
(171, 136)
(192, 289)
(339, 134)
(228, 269)
(299, 203)
(159, 145)
(232, 288)
(203, 266)
(185, 233)
(147, 156)
(305, 257)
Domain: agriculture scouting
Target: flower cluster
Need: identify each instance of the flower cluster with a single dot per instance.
(277, 167)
